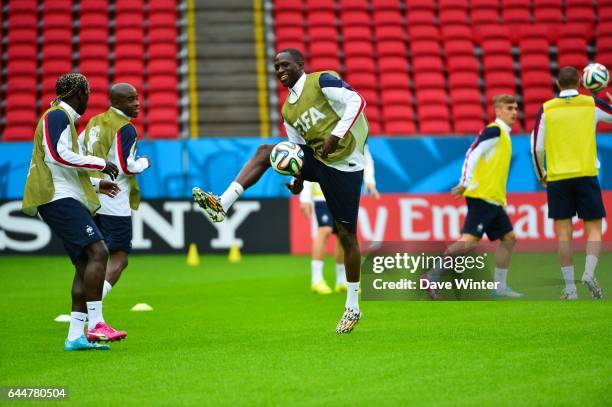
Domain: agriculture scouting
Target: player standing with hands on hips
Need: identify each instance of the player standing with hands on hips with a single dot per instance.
(324, 115)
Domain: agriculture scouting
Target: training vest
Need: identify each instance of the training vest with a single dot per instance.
(491, 173)
(107, 126)
(571, 150)
(39, 187)
(313, 117)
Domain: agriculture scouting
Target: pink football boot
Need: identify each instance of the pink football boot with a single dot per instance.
(103, 332)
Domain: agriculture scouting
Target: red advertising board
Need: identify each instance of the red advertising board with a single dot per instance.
(439, 217)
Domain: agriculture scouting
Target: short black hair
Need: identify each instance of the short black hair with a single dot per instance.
(568, 77)
(69, 84)
(295, 54)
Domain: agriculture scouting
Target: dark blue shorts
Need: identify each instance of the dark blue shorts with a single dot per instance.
(572, 196)
(484, 217)
(117, 231)
(342, 189)
(72, 223)
(324, 216)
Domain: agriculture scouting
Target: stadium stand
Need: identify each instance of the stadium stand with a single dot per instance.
(108, 41)
(419, 62)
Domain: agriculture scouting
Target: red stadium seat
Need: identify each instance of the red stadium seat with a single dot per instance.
(22, 6)
(576, 59)
(325, 63)
(387, 17)
(356, 33)
(499, 79)
(385, 4)
(462, 64)
(134, 80)
(19, 36)
(19, 132)
(467, 111)
(426, 32)
(581, 14)
(549, 15)
(324, 49)
(491, 32)
(431, 80)
(322, 34)
(57, 20)
(430, 64)
(21, 84)
(420, 17)
(468, 126)
(430, 97)
(578, 30)
(162, 20)
(56, 67)
(398, 112)
(456, 32)
(484, 16)
(16, 52)
(316, 5)
(292, 5)
(400, 127)
(533, 46)
(95, 36)
(391, 48)
(372, 112)
(374, 128)
(412, 5)
(537, 95)
(458, 80)
(320, 19)
(459, 47)
(497, 47)
(362, 80)
(349, 5)
(396, 80)
(463, 96)
(354, 19)
(291, 32)
(60, 35)
(20, 67)
(453, 16)
(289, 18)
(435, 126)
(535, 62)
(424, 47)
(572, 52)
(24, 21)
(396, 96)
(498, 63)
(537, 79)
(163, 83)
(162, 6)
(168, 50)
(546, 32)
(360, 64)
(129, 20)
(283, 44)
(128, 6)
(128, 35)
(20, 101)
(392, 32)
(393, 64)
(358, 49)
(162, 67)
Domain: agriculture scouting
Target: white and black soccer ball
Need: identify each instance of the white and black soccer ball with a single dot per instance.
(287, 158)
(595, 77)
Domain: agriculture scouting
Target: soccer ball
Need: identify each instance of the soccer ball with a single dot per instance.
(595, 77)
(287, 158)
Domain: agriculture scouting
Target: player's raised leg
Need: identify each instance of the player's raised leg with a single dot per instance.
(593, 248)
(216, 207)
(117, 263)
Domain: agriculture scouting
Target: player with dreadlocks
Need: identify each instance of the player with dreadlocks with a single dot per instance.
(59, 189)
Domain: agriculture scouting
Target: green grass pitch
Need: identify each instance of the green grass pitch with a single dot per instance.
(252, 334)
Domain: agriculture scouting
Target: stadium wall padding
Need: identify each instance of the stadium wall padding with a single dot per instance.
(418, 165)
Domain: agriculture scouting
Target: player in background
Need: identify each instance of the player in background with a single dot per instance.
(565, 159)
(60, 190)
(312, 197)
(483, 184)
(324, 115)
(111, 136)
